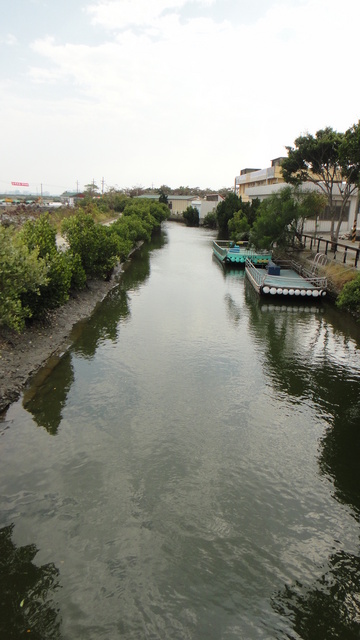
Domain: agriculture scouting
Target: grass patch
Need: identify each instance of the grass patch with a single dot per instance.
(339, 274)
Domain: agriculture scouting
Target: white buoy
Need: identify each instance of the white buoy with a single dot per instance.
(323, 293)
(291, 292)
(266, 289)
(273, 291)
(315, 293)
(285, 292)
(309, 292)
(303, 292)
(297, 292)
(279, 291)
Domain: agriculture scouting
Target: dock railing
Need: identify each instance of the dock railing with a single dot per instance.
(259, 275)
(339, 251)
(254, 273)
(304, 272)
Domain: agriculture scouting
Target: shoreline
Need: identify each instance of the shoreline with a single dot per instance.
(22, 355)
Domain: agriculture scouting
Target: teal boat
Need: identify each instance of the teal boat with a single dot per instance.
(231, 253)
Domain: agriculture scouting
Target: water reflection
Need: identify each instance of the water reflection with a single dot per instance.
(46, 398)
(104, 324)
(310, 359)
(193, 488)
(47, 395)
(319, 363)
(26, 607)
(330, 608)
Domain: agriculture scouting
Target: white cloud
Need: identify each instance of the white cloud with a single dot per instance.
(119, 14)
(197, 99)
(9, 39)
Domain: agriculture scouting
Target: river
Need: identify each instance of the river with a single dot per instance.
(189, 469)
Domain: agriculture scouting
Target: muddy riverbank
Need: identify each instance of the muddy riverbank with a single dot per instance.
(21, 355)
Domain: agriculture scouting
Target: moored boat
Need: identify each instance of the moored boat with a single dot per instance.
(231, 253)
(286, 279)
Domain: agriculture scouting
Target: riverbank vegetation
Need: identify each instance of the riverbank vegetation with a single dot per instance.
(277, 223)
(349, 297)
(331, 161)
(36, 276)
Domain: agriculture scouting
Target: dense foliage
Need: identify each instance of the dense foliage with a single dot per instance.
(35, 276)
(210, 220)
(280, 218)
(225, 211)
(241, 223)
(329, 159)
(22, 272)
(191, 216)
(349, 297)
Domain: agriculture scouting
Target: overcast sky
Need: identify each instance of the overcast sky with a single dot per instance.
(176, 92)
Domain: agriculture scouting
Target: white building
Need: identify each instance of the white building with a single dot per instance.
(206, 205)
(261, 183)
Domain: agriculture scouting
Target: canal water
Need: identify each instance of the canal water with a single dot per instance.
(189, 469)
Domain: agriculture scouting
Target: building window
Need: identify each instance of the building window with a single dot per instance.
(325, 215)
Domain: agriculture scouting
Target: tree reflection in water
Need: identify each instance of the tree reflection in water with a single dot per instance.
(47, 396)
(328, 610)
(26, 610)
(322, 366)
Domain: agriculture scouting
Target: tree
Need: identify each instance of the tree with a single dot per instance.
(96, 245)
(210, 220)
(135, 191)
(225, 211)
(281, 217)
(91, 189)
(21, 272)
(349, 297)
(41, 235)
(326, 160)
(191, 216)
(350, 164)
(241, 223)
(163, 198)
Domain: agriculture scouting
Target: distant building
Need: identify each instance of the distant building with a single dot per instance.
(206, 205)
(258, 177)
(179, 204)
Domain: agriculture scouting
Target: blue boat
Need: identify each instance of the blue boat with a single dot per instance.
(231, 253)
(286, 279)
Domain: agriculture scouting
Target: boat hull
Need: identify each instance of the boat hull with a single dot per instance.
(230, 254)
(291, 281)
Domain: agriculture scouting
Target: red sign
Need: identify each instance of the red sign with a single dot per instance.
(20, 184)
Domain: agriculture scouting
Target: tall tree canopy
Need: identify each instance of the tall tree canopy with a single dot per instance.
(225, 211)
(327, 159)
(280, 218)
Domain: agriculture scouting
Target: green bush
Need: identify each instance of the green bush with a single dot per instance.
(78, 275)
(349, 297)
(22, 272)
(97, 246)
(159, 211)
(56, 291)
(132, 228)
(191, 216)
(210, 220)
(40, 234)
